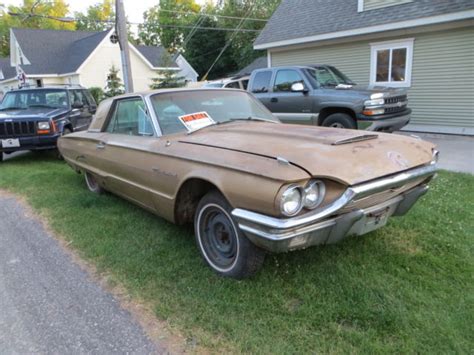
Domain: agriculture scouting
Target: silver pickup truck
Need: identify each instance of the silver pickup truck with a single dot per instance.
(321, 95)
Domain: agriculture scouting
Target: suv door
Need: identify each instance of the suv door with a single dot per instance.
(81, 115)
(287, 105)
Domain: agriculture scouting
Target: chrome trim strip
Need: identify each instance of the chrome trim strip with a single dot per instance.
(353, 192)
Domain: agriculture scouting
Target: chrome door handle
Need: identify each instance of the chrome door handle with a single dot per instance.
(100, 145)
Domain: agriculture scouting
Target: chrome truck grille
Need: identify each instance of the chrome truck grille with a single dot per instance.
(395, 103)
(17, 129)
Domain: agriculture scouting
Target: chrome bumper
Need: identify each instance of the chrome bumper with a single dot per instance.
(321, 226)
(386, 125)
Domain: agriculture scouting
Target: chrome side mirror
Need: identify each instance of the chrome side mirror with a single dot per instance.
(298, 87)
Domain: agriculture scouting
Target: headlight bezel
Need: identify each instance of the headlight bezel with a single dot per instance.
(321, 193)
(44, 126)
(302, 188)
(287, 190)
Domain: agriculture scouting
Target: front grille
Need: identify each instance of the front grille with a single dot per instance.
(395, 99)
(17, 129)
(380, 197)
(395, 104)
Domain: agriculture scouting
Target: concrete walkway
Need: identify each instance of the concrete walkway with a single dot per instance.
(456, 152)
(48, 304)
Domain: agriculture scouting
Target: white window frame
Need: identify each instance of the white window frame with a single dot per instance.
(391, 45)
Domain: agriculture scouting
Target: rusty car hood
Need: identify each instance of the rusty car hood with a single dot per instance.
(324, 152)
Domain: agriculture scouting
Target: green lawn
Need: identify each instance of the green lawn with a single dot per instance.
(406, 288)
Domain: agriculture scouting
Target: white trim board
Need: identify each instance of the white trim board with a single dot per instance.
(456, 16)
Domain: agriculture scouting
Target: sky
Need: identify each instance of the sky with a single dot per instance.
(133, 8)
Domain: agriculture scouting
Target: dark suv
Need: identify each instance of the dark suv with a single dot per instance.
(322, 95)
(33, 119)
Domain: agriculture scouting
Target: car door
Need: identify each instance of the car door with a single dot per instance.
(260, 87)
(125, 151)
(81, 115)
(287, 105)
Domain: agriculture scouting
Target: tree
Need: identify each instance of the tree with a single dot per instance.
(114, 84)
(154, 30)
(97, 93)
(32, 14)
(98, 17)
(203, 47)
(166, 78)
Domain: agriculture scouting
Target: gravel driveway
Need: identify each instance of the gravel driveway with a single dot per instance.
(48, 304)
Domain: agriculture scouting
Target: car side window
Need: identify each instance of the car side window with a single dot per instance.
(131, 118)
(285, 79)
(261, 82)
(232, 85)
(245, 83)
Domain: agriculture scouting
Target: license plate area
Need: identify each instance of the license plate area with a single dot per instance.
(372, 221)
(10, 143)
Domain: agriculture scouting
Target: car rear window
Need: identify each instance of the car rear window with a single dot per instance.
(261, 82)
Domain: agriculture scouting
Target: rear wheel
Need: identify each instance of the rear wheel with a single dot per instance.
(339, 120)
(222, 244)
(92, 183)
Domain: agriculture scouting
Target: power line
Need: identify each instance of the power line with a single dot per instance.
(71, 19)
(212, 15)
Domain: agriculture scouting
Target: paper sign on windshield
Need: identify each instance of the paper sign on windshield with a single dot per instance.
(196, 120)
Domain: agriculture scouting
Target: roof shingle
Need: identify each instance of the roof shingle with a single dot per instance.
(303, 18)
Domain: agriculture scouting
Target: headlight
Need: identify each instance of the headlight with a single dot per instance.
(376, 102)
(314, 193)
(43, 125)
(377, 95)
(291, 201)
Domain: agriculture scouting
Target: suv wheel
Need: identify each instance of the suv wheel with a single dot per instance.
(339, 120)
(222, 244)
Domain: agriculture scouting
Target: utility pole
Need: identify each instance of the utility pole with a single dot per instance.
(121, 29)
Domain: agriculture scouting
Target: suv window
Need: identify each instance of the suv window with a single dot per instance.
(285, 79)
(78, 96)
(31, 98)
(261, 82)
(130, 118)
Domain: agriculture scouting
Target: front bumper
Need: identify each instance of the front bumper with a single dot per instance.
(33, 143)
(386, 124)
(324, 226)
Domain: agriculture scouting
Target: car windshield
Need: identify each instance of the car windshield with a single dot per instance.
(219, 105)
(328, 76)
(49, 98)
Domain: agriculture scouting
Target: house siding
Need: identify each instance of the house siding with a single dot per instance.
(377, 4)
(441, 93)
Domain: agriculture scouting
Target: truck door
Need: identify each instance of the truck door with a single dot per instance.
(290, 106)
(260, 87)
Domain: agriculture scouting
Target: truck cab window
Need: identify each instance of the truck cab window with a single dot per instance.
(261, 82)
(285, 79)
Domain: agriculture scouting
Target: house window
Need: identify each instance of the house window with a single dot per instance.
(390, 63)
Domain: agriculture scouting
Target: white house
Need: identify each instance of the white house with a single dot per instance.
(49, 57)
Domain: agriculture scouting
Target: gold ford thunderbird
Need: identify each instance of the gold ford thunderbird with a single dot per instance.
(250, 184)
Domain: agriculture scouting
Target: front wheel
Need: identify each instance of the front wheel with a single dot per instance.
(339, 120)
(221, 243)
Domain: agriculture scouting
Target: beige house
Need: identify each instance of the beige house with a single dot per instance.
(426, 46)
(50, 57)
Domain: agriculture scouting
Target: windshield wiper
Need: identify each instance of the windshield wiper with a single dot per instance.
(42, 105)
(12, 108)
(251, 118)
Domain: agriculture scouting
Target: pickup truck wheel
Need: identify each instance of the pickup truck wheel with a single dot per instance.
(222, 244)
(339, 120)
(63, 133)
(92, 183)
